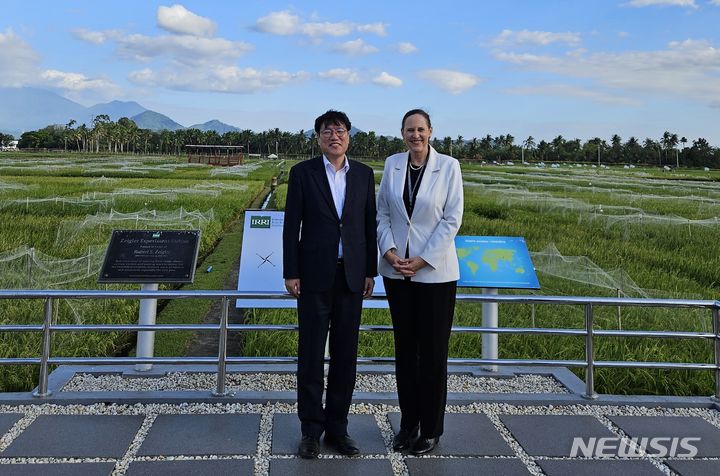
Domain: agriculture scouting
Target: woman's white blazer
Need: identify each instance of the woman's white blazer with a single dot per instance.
(436, 219)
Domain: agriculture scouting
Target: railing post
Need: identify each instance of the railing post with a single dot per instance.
(716, 330)
(42, 388)
(220, 390)
(589, 357)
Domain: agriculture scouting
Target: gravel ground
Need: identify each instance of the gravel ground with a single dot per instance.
(263, 454)
(176, 381)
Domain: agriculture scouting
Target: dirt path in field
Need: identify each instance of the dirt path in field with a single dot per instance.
(205, 344)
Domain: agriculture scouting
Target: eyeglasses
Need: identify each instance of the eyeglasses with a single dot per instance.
(327, 133)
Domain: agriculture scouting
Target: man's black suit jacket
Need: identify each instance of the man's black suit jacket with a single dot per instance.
(312, 229)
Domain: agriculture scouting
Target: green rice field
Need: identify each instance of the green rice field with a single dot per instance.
(591, 232)
(57, 215)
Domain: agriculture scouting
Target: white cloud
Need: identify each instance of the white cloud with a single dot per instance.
(378, 28)
(355, 48)
(281, 23)
(454, 82)
(25, 70)
(74, 81)
(715, 2)
(540, 38)
(96, 37)
(406, 48)
(225, 79)
(285, 23)
(686, 69)
(343, 75)
(18, 58)
(314, 30)
(671, 3)
(177, 19)
(387, 80)
(180, 48)
(566, 90)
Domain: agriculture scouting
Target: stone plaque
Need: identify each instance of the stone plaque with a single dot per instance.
(151, 256)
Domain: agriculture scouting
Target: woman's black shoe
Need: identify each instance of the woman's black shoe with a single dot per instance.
(424, 445)
(404, 439)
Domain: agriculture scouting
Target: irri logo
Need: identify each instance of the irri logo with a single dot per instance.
(260, 222)
(613, 447)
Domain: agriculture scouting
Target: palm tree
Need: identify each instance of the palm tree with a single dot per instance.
(460, 143)
(68, 131)
(558, 144)
(670, 141)
(528, 144)
(616, 148)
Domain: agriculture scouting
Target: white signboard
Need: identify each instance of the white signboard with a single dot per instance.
(261, 262)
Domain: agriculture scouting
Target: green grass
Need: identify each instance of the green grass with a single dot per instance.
(191, 311)
(40, 225)
(665, 260)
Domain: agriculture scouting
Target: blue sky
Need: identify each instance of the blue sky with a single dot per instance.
(540, 68)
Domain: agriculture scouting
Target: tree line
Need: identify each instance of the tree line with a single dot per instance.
(124, 136)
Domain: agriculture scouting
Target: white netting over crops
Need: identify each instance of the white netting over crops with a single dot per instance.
(648, 218)
(604, 183)
(4, 186)
(103, 180)
(582, 269)
(28, 268)
(164, 193)
(83, 202)
(237, 187)
(240, 170)
(546, 202)
(100, 223)
(106, 170)
(611, 214)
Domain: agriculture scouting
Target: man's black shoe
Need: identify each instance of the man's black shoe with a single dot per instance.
(343, 444)
(404, 439)
(424, 445)
(309, 447)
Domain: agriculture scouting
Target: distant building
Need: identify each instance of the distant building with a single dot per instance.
(223, 155)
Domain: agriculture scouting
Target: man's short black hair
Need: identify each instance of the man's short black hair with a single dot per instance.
(332, 117)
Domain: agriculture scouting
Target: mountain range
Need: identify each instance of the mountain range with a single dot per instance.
(27, 109)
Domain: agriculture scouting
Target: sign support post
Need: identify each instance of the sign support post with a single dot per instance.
(146, 339)
(490, 319)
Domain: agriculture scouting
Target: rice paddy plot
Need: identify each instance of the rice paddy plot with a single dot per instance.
(56, 217)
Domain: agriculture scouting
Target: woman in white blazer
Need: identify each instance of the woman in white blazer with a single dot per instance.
(420, 207)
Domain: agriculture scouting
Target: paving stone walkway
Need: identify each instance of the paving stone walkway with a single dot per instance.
(260, 439)
(257, 432)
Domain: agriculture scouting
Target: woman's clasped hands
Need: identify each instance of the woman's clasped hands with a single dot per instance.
(407, 267)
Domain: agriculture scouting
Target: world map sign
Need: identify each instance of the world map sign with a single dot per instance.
(495, 262)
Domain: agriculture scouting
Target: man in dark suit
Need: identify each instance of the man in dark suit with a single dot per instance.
(329, 265)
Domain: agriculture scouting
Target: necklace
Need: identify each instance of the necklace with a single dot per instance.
(413, 186)
(416, 167)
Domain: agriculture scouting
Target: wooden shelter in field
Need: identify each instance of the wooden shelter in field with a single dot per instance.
(222, 155)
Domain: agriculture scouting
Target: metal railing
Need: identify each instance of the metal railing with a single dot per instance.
(588, 332)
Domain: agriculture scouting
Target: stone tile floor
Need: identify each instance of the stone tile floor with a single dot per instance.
(260, 439)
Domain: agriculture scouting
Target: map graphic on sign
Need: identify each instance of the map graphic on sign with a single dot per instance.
(495, 262)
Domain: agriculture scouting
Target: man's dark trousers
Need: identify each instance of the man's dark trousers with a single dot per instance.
(339, 310)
